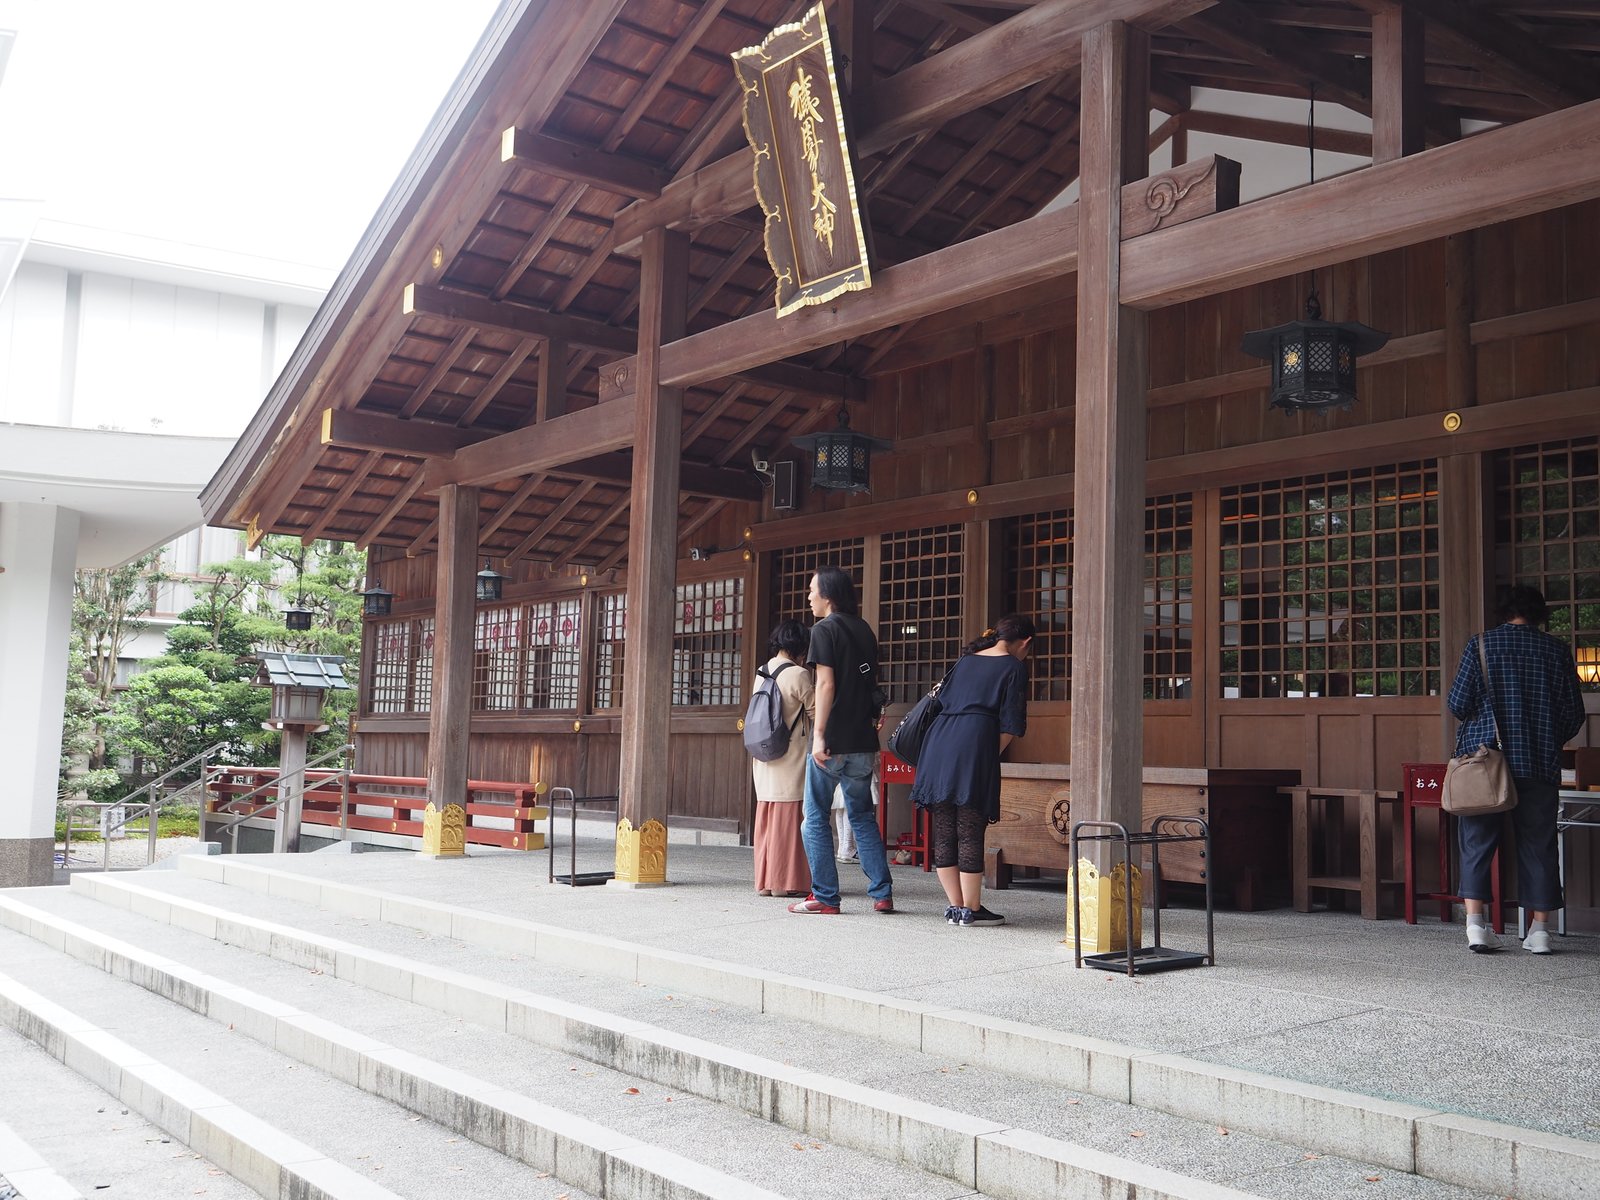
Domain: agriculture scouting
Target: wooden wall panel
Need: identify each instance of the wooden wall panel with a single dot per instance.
(1260, 739)
(1173, 739)
(1401, 738)
(1343, 750)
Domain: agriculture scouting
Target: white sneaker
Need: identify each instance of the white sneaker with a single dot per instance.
(1537, 942)
(1482, 939)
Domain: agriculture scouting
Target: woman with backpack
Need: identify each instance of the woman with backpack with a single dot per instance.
(780, 856)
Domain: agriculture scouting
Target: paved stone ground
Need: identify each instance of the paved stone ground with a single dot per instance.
(126, 854)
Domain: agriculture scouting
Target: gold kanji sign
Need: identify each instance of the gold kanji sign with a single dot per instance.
(795, 122)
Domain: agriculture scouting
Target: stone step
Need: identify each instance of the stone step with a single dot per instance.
(399, 1050)
(1424, 1142)
(24, 1172)
(828, 1108)
(278, 1128)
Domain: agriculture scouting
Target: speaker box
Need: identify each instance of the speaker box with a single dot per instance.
(783, 485)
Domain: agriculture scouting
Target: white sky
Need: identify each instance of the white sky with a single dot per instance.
(266, 128)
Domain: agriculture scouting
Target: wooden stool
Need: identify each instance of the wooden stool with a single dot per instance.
(1376, 856)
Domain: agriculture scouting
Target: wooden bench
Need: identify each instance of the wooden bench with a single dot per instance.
(1317, 820)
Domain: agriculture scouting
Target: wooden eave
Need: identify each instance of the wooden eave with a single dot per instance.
(607, 100)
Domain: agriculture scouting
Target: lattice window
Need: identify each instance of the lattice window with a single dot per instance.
(422, 666)
(919, 609)
(1330, 585)
(551, 656)
(496, 655)
(705, 643)
(794, 567)
(1169, 597)
(391, 666)
(610, 646)
(1547, 535)
(1038, 557)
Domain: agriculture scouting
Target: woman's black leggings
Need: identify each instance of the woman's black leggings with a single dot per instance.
(958, 831)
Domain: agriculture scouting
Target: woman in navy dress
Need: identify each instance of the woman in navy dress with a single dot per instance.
(985, 706)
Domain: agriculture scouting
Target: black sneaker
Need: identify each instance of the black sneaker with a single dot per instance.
(982, 916)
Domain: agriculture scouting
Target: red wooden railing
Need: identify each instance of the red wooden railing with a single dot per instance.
(514, 816)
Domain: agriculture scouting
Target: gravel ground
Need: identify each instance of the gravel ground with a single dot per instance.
(126, 853)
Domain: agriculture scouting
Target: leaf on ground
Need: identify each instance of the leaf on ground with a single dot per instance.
(630, 1092)
(1309, 1157)
(1135, 1133)
(1074, 1101)
(799, 1146)
(1222, 1130)
(1374, 1178)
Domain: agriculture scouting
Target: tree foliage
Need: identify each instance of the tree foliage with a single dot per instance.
(202, 691)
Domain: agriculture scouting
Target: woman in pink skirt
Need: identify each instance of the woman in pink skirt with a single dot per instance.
(781, 868)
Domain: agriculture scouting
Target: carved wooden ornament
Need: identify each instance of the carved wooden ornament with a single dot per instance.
(794, 119)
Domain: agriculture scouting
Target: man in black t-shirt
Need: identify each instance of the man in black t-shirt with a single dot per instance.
(844, 746)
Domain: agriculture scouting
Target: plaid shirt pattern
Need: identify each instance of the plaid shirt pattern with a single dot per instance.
(1536, 698)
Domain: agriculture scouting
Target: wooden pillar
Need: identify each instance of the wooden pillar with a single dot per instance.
(1108, 539)
(1466, 492)
(643, 780)
(450, 716)
(1398, 92)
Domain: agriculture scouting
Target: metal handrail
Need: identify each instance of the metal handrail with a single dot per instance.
(132, 811)
(232, 827)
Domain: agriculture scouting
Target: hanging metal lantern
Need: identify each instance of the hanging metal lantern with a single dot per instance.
(297, 618)
(376, 601)
(490, 583)
(1313, 361)
(841, 459)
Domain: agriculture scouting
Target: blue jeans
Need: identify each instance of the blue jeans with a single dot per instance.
(852, 773)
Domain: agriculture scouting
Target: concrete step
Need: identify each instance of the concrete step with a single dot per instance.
(486, 1092)
(24, 1172)
(276, 1127)
(1017, 1144)
(1374, 1134)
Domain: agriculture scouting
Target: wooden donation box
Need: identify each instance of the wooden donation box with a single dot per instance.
(1250, 864)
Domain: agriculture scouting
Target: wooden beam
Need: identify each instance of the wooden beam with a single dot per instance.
(1540, 164)
(352, 430)
(390, 511)
(694, 478)
(421, 299)
(1399, 89)
(578, 163)
(442, 366)
(596, 527)
(1502, 50)
(1235, 30)
(333, 507)
(1282, 133)
(551, 400)
(509, 507)
(532, 448)
(1029, 252)
(508, 368)
(1006, 58)
(554, 518)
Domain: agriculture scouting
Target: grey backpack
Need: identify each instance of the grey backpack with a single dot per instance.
(766, 737)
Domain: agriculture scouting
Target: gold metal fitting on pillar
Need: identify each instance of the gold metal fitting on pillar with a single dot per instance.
(641, 853)
(444, 834)
(1103, 908)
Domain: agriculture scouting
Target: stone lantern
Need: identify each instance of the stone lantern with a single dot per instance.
(298, 683)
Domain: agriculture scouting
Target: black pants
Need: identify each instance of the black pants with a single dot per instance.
(1534, 819)
(958, 831)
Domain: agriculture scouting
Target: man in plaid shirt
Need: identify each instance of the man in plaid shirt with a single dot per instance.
(1532, 693)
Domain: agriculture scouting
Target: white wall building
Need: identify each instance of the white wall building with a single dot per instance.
(127, 368)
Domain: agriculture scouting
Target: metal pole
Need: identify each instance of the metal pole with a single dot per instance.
(344, 797)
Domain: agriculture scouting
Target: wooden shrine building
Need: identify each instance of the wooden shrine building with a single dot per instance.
(556, 352)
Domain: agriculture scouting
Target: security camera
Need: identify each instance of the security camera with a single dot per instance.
(763, 468)
(698, 554)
